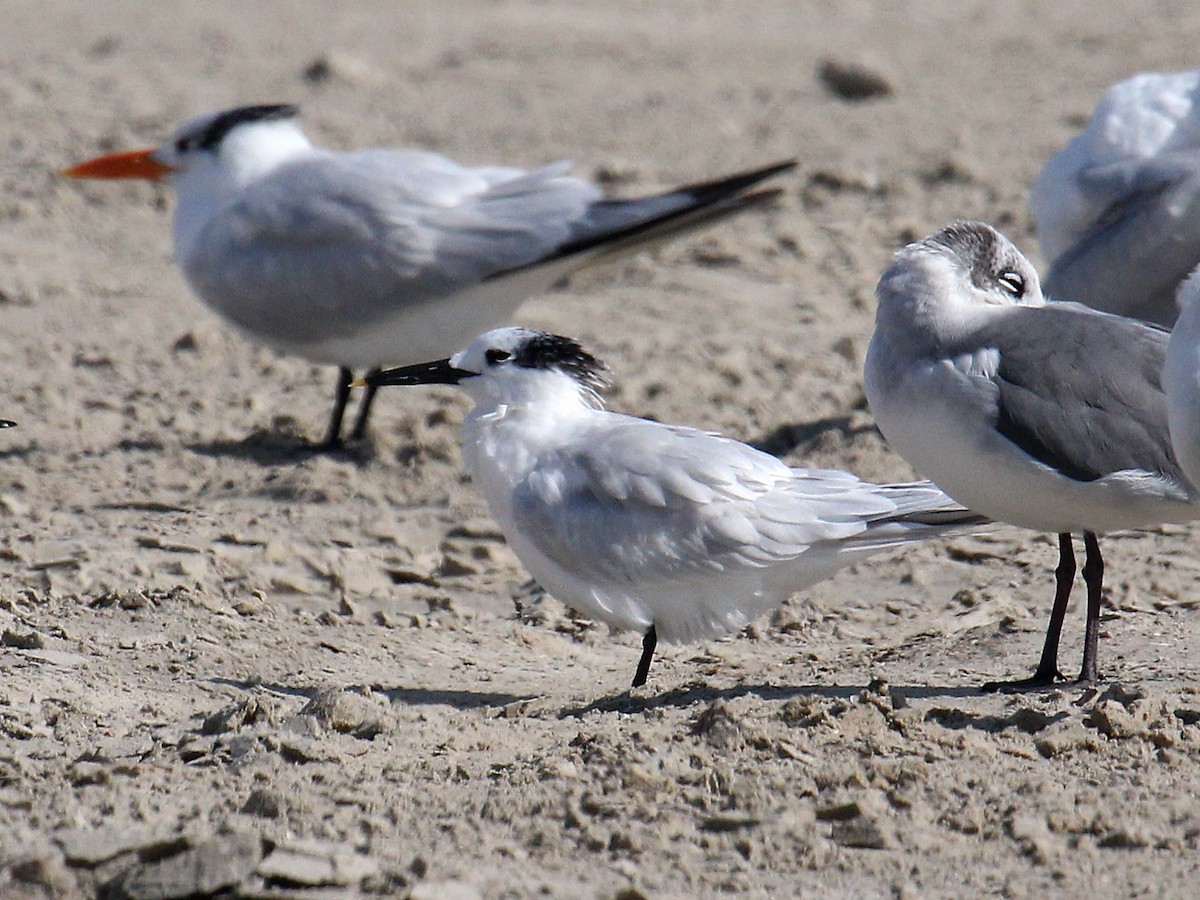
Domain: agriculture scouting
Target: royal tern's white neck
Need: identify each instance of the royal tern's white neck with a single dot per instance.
(207, 180)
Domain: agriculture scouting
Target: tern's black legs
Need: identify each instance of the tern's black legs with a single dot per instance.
(364, 408)
(341, 398)
(1093, 577)
(649, 642)
(1064, 576)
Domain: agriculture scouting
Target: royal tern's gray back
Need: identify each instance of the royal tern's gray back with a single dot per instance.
(1118, 208)
(1051, 416)
(379, 256)
(424, 226)
(669, 531)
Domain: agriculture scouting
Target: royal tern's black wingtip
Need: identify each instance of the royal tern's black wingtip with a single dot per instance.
(717, 189)
(7, 423)
(705, 203)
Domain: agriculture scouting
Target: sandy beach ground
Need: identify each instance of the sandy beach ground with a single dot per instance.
(227, 666)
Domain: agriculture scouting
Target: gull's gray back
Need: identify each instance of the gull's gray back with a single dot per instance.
(1081, 391)
(1132, 258)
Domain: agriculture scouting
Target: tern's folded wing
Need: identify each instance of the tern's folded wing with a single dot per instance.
(643, 503)
(388, 225)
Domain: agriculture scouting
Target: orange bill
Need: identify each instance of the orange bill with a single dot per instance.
(133, 164)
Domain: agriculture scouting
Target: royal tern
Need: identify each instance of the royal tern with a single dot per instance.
(377, 257)
(1118, 208)
(671, 532)
(1049, 416)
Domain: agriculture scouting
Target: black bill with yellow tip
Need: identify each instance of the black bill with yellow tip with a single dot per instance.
(439, 372)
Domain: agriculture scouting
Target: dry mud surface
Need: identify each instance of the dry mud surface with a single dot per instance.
(229, 667)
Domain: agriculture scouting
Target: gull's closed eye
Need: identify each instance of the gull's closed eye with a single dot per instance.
(1013, 283)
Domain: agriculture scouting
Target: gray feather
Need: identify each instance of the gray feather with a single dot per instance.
(1081, 391)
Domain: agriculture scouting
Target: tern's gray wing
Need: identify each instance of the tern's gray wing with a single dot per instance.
(389, 227)
(1144, 240)
(642, 503)
(1081, 391)
(338, 241)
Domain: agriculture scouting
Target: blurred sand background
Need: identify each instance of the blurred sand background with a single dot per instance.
(226, 666)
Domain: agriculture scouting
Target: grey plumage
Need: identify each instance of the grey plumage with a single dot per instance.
(1081, 390)
(1131, 260)
(1051, 416)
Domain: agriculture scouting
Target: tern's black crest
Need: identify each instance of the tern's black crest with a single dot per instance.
(210, 137)
(553, 351)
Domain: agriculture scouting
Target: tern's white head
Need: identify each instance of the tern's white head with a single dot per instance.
(514, 368)
(209, 160)
(219, 150)
(231, 147)
(939, 285)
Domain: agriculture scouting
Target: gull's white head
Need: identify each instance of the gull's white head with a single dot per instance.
(514, 367)
(944, 281)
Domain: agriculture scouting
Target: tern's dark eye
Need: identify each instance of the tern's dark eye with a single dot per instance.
(495, 356)
(184, 144)
(1012, 282)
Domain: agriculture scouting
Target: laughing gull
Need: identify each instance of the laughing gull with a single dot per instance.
(1118, 208)
(1049, 416)
(374, 257)
(671, 532)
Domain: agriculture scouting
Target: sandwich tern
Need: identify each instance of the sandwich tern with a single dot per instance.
(671, 532)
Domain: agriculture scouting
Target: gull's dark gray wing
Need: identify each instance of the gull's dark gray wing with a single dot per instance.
(1081, 391)
(1143, 244)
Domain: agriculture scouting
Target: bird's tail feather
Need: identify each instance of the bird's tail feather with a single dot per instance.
(922, 511)
(617, 227)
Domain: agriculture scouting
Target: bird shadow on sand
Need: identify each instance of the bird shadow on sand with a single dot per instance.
(395, 695)
(801, 435)
(278, 448)
(681, 698)
(18, 453)
(456, 699)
